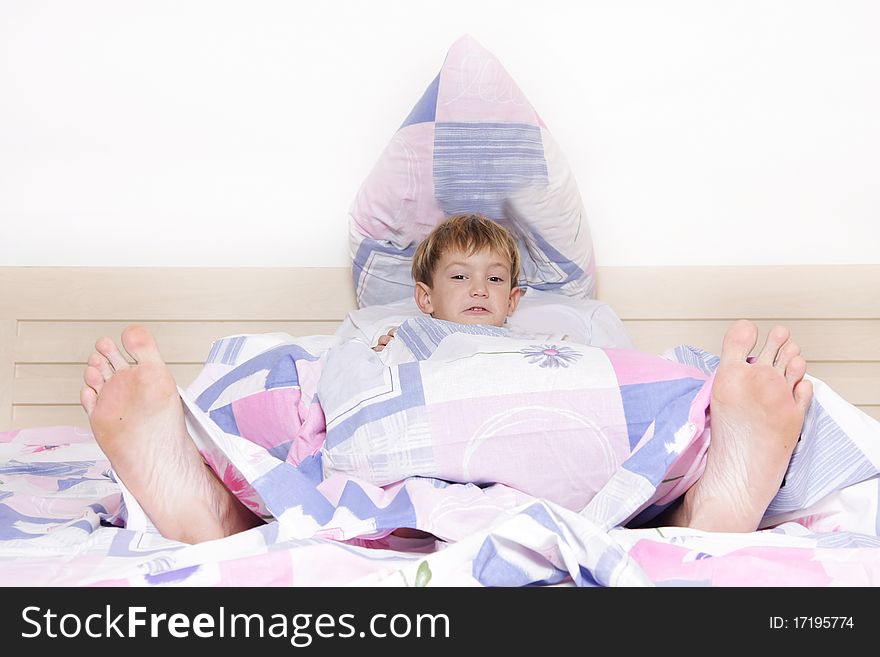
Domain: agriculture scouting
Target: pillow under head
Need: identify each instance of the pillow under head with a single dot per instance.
(472, 143)
(542, 315)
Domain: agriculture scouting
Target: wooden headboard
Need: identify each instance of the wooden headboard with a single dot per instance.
(51, 316)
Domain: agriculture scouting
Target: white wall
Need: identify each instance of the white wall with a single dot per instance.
(236, 133)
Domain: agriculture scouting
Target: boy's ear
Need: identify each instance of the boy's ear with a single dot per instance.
(422, 295)
(515, 296)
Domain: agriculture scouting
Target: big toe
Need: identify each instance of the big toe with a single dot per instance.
(141, 344)
(739, 341)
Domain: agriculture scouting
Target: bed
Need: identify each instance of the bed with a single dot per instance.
(336, 448)
(58, 494)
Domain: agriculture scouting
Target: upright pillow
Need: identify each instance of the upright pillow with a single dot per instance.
(472, 143)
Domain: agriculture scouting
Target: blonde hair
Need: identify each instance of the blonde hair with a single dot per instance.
(468, 233)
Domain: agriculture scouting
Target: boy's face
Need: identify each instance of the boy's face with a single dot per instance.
(470, 289)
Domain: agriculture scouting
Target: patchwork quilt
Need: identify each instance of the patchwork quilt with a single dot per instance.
(528, 463)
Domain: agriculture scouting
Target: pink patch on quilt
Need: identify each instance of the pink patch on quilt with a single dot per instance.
(268, 418)
(110, 583)
(402, 190)
(311, 435)
(8, 436)
(53, 435)
(634, 367)
(309, 374)
(475, 87)
(271, 569)
(751, 566)
(562, 446)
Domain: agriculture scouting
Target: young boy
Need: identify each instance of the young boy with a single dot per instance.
(465, 271)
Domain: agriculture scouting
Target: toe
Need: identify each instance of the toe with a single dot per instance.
(803, 395)
(739, 341)
(777, 337)
(94, 379)
(108, 349)
(141, 344)
(790, 350)
(88, 398)
(100, 363)
(795, 370)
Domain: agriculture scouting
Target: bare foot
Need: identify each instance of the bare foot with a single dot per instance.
(756, 412)
(137, 418)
